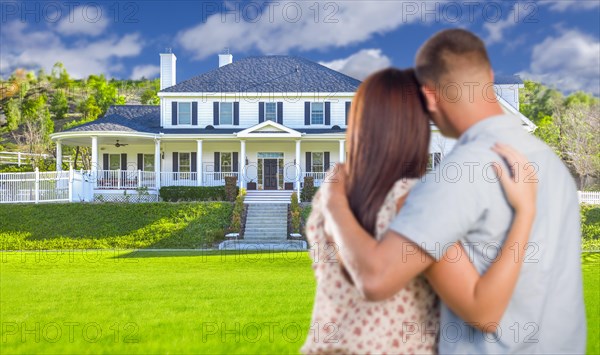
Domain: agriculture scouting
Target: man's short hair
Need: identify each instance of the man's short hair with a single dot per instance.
(449, 51)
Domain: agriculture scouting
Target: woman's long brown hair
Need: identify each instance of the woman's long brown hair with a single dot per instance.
(388, 139)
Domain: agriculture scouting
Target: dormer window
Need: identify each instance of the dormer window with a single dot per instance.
(184, 113)
(226, 113)
(317, 113)
(271, 111)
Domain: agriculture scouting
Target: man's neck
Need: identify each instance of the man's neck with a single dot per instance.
(473, 113)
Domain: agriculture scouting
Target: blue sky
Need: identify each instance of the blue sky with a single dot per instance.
(556, 42)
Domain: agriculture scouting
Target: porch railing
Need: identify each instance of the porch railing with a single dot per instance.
(318, 177)
(217, 179)
(125, 179)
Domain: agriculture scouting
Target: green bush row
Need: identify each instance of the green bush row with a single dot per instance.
(194, 193)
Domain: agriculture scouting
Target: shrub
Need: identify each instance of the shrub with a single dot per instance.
(193, 193)
(308, 190)
(238, 212)
(295, 213)
(590, 227)
(231, 189)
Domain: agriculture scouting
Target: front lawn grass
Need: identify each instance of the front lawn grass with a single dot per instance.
(113, 225)
(154, 302)
(173, 302)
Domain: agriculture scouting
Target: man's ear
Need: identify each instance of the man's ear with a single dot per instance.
(430, 98)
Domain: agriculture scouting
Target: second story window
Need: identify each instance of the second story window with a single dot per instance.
(226, 113)
(184, 113)
(316, 113)
(271, 111)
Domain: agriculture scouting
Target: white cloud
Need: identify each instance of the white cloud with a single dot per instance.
(496, 29)
(32, 49)
(286, 25)
(147, 71)
(78, 22)
(569, 61)
(564, 5)
(360, 64)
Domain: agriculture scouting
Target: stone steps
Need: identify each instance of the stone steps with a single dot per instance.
(266, 223)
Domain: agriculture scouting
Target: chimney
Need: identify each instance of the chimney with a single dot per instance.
(225, 58)
(168, 69)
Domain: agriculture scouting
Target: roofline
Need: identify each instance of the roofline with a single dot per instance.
(187, 136)
(530, 125)
(77, 134)
(259, 95)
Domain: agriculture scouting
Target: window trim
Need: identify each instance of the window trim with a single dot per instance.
(311, 113)
(179, 123)
(312, 162)
(179, 165)
(275, 112)
(221, 162)
(144, 155)
(221, 113)
(109, 161)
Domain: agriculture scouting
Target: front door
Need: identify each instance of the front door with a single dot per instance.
(270, 174)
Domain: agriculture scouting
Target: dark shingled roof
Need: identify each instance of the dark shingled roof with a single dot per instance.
(507, 79)
(269, 74)
(146, 119)
(129, 118)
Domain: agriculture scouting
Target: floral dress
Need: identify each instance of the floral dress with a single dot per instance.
(344, 322)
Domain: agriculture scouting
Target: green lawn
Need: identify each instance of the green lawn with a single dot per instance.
(177, 302)
(113, 225)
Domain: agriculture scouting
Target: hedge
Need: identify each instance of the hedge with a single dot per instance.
(193, 193)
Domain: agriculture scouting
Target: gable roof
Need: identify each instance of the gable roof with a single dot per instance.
(274, 73)
(269, 129)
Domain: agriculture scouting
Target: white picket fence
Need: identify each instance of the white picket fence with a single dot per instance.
(589, 197)
(19, 158)
(36, 187)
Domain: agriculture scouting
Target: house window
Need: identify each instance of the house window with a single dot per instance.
(184, 112)
(317, 162)
(226, 162)
(114, 161)
(148, 162)
(434, 160)
(271, 111)
(316, 113)
(226, 113)
(185, 163)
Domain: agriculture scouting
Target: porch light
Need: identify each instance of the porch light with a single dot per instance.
(246, 160)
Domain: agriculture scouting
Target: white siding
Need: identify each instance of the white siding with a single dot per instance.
(510, 93)
(293, 112)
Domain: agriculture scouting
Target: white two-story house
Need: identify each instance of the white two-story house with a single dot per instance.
(268, 120)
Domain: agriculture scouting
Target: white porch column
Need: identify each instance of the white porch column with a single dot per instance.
(157, 163)
(199, 162)
(58, 155)
(94, 153)
(298, 169)
(242, 164)
(342, 150)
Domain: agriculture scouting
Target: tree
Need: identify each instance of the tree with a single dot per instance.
(89, 108)
(60, 76)
(581, 140)
(13, 114)
(33, 107)
(149, 97)
(59, 106)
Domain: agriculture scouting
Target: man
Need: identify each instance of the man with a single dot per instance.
(462, 201)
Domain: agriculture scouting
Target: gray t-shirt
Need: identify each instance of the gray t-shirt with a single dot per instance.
(463, 201)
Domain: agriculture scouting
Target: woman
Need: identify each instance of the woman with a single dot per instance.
(388, 149)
